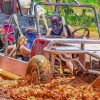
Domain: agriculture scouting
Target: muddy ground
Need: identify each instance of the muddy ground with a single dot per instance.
(60, 88)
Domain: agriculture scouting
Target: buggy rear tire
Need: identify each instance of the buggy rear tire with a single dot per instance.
(39, 70)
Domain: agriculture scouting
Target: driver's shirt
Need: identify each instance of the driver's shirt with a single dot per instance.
(60, 32)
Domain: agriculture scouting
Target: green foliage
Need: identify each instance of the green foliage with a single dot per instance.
(73, 18)
(76, 16)
(86, 18)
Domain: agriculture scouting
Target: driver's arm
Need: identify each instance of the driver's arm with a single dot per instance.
(70, 28)
(64, 31)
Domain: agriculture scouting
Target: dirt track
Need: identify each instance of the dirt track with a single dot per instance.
(61, 88)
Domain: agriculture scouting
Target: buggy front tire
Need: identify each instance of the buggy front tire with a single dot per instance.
(39, 70)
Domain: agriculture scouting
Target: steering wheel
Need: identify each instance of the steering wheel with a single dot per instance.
(85, 33)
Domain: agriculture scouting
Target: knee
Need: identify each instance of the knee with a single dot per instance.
(24, 51)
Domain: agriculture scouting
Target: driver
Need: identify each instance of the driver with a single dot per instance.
(59, 27)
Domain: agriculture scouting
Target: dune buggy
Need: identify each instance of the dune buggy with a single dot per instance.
(39, 69)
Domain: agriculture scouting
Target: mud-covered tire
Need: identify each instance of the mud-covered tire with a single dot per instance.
(39, 70)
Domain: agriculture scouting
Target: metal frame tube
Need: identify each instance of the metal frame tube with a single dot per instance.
(20, 9)
(37, 20)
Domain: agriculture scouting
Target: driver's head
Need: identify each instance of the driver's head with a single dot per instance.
(30, 33)
(56, 20)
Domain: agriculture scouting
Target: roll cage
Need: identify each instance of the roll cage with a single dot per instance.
(66, 5)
